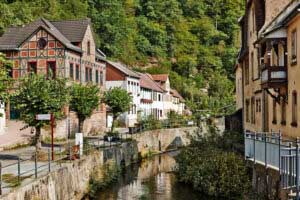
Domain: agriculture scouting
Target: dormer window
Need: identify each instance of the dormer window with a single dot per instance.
(88, 48)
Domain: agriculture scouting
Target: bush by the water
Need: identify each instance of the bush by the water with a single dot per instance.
(212, 168)
(102, 178)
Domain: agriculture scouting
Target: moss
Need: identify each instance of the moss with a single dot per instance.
(47, 140)
(13, 180)
(17, 146)
(103, 177)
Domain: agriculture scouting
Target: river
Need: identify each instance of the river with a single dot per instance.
(152, 179)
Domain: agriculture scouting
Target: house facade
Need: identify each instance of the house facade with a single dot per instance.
(119, 75)
(173, 101)
(57, 49)
(151, 98)
(263, 63)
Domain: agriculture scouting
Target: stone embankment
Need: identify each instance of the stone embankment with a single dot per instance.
(72, 179)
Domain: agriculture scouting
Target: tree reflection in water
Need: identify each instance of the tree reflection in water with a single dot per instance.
(153, 179)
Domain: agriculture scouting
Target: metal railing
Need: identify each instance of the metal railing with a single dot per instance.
(162, 124)
(12, 174)
(271, 150)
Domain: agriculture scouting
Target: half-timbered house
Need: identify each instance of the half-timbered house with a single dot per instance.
(57, 48)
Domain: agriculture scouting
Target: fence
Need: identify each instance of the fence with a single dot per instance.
(271, 150)
(34, 165)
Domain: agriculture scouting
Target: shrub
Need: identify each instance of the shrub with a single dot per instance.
(212, 168)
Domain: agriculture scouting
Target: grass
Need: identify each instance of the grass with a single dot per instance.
(13, 180)
(17, 146)
(47, 140)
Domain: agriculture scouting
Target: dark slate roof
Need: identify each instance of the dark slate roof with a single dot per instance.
(124, 69)
(13, 37)
(74, 30)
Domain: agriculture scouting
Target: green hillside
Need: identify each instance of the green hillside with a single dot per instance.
(195, 41)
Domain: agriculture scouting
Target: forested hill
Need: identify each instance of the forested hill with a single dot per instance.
(195, 41)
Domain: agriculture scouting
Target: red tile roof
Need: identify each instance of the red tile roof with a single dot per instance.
(160, 77)
(147, 82)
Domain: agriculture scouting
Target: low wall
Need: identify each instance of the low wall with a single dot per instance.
(164, 139)
(72, 179)
(93, 125)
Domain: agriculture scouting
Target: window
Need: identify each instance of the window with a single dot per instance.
(246, 66)
(101, 78)
(252, 65)
(90, 75)
(294, 47)
(253, 110)
(88, 48)
(51, 70)
(283, 112)
(253, 20)
(274, 121)
(294, 109)
(86, 74)
(159, 97)
(97, 76)
(71, 71)
(247, 111)
(32, 68)
(77, 72)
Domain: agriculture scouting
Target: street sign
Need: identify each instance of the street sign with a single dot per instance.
(43, 117)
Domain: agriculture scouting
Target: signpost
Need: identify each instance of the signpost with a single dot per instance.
(51, 118)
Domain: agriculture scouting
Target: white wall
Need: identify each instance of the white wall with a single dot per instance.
(134, 90)
(113, 84)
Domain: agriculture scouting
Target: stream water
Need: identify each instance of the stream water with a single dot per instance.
(153, 179)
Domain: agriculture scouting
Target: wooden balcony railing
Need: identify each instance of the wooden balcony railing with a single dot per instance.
(273, 76)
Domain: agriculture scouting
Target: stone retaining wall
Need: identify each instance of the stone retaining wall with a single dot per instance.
(72, 179)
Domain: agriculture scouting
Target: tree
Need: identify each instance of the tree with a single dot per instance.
(38, 95)
(213, 168)
(5, 79)
(84, 99)
(119, 102)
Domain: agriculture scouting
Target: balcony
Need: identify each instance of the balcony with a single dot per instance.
(273, 77)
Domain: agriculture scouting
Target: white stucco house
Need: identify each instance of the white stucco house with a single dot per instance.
(119, 75)
(151, 97)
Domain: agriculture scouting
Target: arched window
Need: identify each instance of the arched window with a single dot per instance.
(88, 48)
(294, 109)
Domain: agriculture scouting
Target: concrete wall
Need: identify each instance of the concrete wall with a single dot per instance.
(94, 125)
(273, 8)
(71, 181)
(164, 139)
